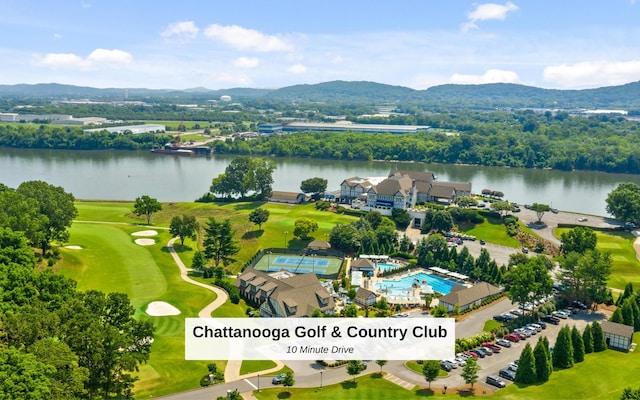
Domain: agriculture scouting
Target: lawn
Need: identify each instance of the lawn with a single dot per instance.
(250, 366)
(491, 230)
(601, 376)
(626, 267)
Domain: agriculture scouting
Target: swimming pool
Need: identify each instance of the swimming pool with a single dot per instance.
(405, 286)
(387, 266)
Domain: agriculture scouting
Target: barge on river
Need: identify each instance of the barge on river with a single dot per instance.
(170, 148)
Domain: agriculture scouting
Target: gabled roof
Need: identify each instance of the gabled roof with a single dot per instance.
(291, 196)
(615, 328)
(296, 296)
(418, 176)
(393, 185)
(362, 262)
(363, 294)
(355, 181)
(470, 295)
(319, 244)
(442, 190)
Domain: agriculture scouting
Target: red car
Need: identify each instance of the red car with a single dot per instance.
(512, 337)
(495, 348)
(472, 354)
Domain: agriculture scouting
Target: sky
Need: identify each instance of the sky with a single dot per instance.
(214, 44)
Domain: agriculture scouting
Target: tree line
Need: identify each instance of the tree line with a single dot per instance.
(57, 342)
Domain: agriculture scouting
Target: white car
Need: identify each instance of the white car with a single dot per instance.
(560, 314)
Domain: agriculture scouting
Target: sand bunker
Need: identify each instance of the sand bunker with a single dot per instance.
(145, 242)
(144, 233)
(161, 309)
(73, 247)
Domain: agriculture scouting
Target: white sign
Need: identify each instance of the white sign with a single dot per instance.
(319, 338)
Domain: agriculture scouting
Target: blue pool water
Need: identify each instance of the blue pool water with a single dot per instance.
(387, 266)
(401, 286)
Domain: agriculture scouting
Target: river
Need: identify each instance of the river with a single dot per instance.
(123, 175)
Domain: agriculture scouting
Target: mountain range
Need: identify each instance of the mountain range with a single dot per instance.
(449, 96)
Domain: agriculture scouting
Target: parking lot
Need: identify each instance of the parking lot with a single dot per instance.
(492, 364)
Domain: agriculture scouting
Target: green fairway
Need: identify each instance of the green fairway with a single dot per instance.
(105, 211)
(626, 267)
(250, 366)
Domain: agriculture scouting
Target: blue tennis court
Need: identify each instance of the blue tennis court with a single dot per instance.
(320, 265)
(300, 261)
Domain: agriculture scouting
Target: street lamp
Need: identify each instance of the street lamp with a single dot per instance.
(258, 382)
(285, 239)
(313, 263)
(268, 261)
(320, 380)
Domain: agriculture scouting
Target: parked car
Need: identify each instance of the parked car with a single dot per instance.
(461, 361)
(487, 350)
(579, 305)
(554, 210)
(550, 319)
(495, 381)
(446, 366)
(278, 379)
(453, 364)
(472, 354)
(512, 337)
(493, 347)
(503, 342)
(541, 324)
(482, 242)
(512, 366)
(506, 373)
(534, 327)
(525, 250)
(560, 314)
(504, 317)
(479, 353)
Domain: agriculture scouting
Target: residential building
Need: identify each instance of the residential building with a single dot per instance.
(284, 294)
(364, 265)
(287, 197)
(468, 297)
(365, 297)
(617, 336)
(397, 191)
(354, 188)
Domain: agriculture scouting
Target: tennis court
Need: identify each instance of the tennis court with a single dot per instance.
(320, 265)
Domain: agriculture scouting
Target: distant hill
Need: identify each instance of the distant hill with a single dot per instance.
(450, 96)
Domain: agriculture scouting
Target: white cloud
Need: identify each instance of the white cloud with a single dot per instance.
(491, 76)
(110, 56)
(246, 39)
(297, 69)
(593, 73)
(182, 30)
(74, 61)
(488, 11)
(57, 36)
(246, 62)
(235, 79)
(336, 60)
(63, 60)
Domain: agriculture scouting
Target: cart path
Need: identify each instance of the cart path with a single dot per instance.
(232, 371)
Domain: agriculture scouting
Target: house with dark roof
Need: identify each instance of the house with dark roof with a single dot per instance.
(354, 188)
(448, 191)
(287, 197)
(617, 336)
(468, 297)
(365, 297)
(284, 294)
(397, 191)
(363, 264)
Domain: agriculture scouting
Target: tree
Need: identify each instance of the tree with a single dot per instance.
(345, 237)
(56, 208)
(24, 377)
(146, 206)
(630, 394)
(526, 372)
(316, 186)
(530, 281)
(185, 227)
(441, 221)
(199, 261)
(470, 372)
(540, 209)
(288, 380)
(304, 226)
(263, 177)
(543, 363)
(219, 244)
(562, 356)
(599, 343)
(381, 363)
(585, 276)
(243, 175)
(67, 382)
(624, 202)
(579, 240)
(259, 216)
(401, 217)
(317, 313)
(578, 345)
(430, 370)
(466, 201)
(587, 339)
(502, 207)
(351, 311)
(354, 367)
(617, 316)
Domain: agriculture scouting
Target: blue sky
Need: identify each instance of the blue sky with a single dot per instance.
(269, 44)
